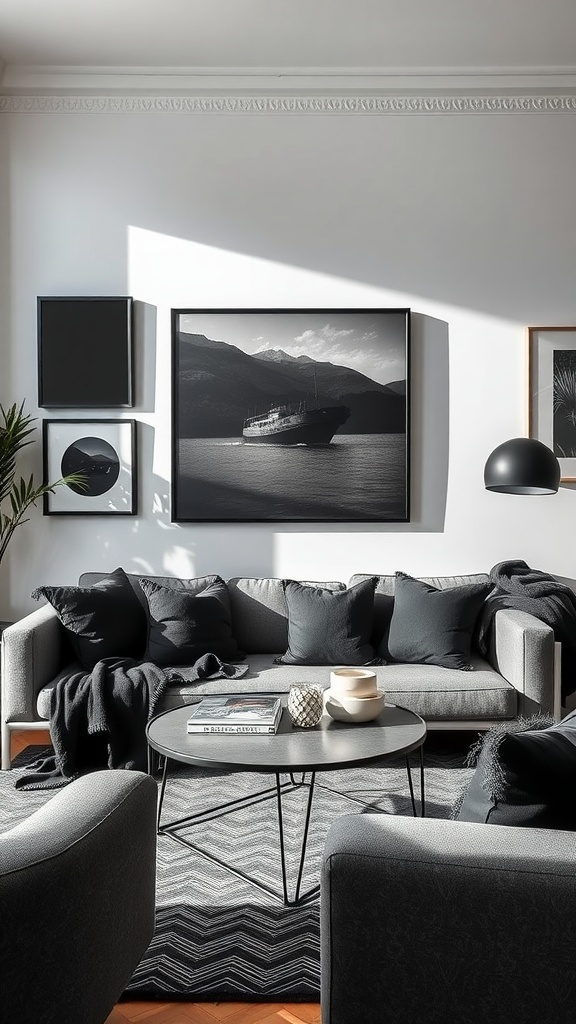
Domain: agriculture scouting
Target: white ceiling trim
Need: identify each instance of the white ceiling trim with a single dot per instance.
(23, 72)
(286, 90)
(300, 104)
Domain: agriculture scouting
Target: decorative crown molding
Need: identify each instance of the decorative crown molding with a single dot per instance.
(288, 90)
(288, 104)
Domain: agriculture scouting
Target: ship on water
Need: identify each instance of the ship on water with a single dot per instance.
(288, 424)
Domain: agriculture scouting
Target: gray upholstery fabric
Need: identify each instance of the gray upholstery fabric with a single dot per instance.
(385, 584)
(77, 887)
(436, 921)
(260, 613)
(33, 651)
(430, 691)
(523, 652)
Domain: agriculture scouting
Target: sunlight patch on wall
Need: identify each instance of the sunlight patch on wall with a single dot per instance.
(454, 344)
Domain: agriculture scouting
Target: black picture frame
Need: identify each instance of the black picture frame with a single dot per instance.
(232, 365)
(552, 393)
(85, 351)
(105, 450)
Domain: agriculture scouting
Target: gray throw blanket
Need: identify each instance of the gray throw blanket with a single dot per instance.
(98, 719)
(516, 585)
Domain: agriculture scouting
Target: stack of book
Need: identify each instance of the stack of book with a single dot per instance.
(236, 715)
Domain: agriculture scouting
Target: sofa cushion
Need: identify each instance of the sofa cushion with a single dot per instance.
(525, 775)
(184, 624)
(431, 626)
(260, 612)
(435, 693)
(327, 628)
(101, 621)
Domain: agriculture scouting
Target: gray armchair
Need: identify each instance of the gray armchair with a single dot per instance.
(446, 921)
(77, 894)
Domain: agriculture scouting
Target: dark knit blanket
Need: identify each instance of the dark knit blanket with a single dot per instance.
(516, 585)
(98, 718)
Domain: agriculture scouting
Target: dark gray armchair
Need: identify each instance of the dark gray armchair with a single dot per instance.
(435, 921)
(77, 893)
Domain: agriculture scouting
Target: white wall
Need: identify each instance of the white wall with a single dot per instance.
(469, 219)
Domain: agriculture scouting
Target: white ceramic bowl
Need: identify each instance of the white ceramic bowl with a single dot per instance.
(355, 682)
(346, 708)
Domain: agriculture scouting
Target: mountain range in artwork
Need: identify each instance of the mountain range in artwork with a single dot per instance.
(219, 386)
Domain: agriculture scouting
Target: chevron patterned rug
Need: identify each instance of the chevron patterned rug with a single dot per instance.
(217, 936)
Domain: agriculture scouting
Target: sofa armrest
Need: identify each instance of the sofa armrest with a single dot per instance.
(77, 888)
(522, 650)
(432, 920)
(32, 654)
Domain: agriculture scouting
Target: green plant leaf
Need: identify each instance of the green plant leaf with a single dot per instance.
(16, 432)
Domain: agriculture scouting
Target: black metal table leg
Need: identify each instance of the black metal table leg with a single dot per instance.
(281, 837)
(287, 901)
(162, 791)
(305, 836)
(409, 773)
(422, 792)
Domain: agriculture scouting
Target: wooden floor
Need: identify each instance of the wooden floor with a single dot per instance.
(193, 1013)
(215, 1013)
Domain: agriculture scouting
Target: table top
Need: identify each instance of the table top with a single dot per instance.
(329, 745)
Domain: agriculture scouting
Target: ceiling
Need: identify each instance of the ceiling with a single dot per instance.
(380, 35)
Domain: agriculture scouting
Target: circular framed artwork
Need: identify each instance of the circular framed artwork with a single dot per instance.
(104, 453)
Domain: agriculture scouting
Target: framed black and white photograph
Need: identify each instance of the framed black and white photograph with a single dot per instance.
(290, 415)
(552, 393)
(85, 352)
(104, 451)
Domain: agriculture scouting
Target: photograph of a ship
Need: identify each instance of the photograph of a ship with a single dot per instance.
(290, 415)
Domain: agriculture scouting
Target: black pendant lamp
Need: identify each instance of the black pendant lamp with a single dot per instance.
(522, 465)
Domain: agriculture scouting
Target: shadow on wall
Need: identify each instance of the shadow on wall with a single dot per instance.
(430, 402)
(144, 355)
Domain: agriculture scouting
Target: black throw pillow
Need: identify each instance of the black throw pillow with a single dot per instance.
(525, 775)
(431, 626)
(327, 627)
(102, 621)
(183, 625)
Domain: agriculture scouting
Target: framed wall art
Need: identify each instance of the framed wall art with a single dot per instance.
(290, 415)
(105, 451)
(85, 352)
(552, 393)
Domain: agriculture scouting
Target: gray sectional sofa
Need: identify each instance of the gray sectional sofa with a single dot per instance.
(521, 675)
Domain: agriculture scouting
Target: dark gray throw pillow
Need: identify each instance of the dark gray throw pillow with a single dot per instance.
(431, 626)
(525, 775)
(328, 628)
(102, 621)
(185, 624)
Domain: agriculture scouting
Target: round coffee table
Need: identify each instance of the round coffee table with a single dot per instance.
(329, 746)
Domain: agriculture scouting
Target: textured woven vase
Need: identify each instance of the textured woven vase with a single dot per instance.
(305, 704)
